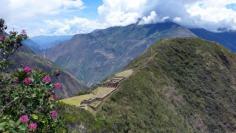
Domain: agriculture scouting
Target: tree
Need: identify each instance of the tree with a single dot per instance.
(9, 43)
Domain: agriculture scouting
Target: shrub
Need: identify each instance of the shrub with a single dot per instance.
(28, 103)
(27, 99)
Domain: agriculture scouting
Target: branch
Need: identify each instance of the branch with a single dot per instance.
(8, 104)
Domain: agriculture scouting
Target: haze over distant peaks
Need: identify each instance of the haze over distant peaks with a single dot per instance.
(45, 42)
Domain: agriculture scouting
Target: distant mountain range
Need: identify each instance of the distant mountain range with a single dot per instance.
(39, 43)
(225, 38)
(94, 56)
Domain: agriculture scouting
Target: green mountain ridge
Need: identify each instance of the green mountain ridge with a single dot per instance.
(179, 86)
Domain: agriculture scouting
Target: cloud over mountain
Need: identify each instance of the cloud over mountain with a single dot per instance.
(70, 17)
(210, 14)
(123, 12)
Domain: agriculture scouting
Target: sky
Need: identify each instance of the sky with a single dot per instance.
(68, 17)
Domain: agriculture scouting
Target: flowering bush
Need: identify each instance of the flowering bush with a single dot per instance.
(30, 102)
(27, 99)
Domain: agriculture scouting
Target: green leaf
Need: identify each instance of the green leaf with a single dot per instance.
(12, 123)
(2, 125)
(22, 127)
(34, 116)
(18, 122)
(43, 121)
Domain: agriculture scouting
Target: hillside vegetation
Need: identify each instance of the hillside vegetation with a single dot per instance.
(178, 86)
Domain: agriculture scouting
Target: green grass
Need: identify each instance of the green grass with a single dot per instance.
(76, 101)
(140, 107)
(102, 92)
(99, 92)
(75, 118)
(126, 73)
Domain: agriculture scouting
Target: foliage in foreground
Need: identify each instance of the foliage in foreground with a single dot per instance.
(28, 102)
(27, 99)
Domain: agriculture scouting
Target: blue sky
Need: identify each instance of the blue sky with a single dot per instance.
(91, 10)
(67, 17)
(231, 6)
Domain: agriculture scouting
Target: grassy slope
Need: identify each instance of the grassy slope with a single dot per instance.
(179, 85)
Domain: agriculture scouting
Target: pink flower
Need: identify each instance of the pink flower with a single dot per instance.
(47, 79)
(24, 119)
(32, 126)
(27, 69)
(2, 37)
(57, 85)
(27, 81)
(53, 114)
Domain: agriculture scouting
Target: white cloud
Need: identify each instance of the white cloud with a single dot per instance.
(25, 9)
(4, 6)
(123, 12)
(212, 15)
(209, 14)
(70, 4)
(30, 14)
(72, 26)
(177, 19)
(51, 16)
(152, 18)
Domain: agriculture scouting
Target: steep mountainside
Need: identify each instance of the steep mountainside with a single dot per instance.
(228, 39)
(178, 86)
(24, 56)
(92, 57)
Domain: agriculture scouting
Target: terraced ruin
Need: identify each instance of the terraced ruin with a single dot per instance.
(93, 100)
